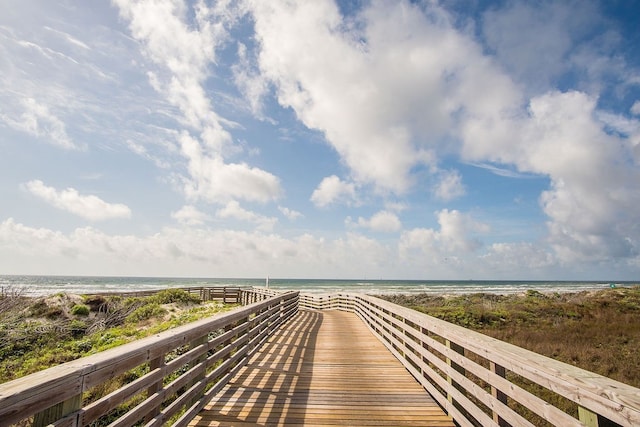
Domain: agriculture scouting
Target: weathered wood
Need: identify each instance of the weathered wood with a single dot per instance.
(497, 394)
(55, 394)
(61, 410)
(608, 398)
(465, 372)
(322, 368)
(587, 417)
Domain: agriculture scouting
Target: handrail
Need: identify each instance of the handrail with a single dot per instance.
(183, 368)
(478, 380)
(482, 381)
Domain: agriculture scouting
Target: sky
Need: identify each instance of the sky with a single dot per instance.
(380, 139)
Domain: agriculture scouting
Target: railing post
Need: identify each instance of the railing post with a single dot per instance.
(500, 396)
(587, 417)
(58, 411)
(154, 364)
(195, 343)
(458, 349)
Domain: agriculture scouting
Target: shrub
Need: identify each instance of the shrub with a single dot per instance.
(146, 312)
(80, 310)
(169, 296)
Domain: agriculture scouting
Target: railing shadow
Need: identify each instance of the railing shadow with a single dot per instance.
(274, 386)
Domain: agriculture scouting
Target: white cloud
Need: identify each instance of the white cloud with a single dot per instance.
(68, 37)
(290, 213)
(457, 236)
(216, 181)
(89, 207)
(380, 88)
(184, 49)
(190, 215)
(189, 252)
(504, 258)
(383, 222)
(333, 190)
(635, 108)
(595, 179)
(449, 185)
(253, 85)
(233, 210)
(38, 120)
(534, 41)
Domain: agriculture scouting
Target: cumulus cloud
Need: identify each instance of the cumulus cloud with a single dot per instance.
(379, 88)
(233, 210)
(535, 41)
(449, 186)
(90, 207)
(591, 204)
(333, 190)
(190, 252)
(457, 236)
(383, 222)
(635, 108)
(190, 215)
(217, 181)
(507, 257)
(290, 213)
(38, 120)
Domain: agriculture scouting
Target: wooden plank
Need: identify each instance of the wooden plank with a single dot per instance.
(323, 369)
(617, 401)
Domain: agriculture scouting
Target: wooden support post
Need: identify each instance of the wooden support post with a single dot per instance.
(458, 349)
(587, 417)
(196, 362)
(498, 370)
(62, 409)
(154, 364)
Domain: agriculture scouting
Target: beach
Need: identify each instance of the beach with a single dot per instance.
(45, 285)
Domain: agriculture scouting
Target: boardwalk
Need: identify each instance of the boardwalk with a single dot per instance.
(323, 369)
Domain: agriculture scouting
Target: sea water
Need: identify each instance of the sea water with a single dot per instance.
(45, 285)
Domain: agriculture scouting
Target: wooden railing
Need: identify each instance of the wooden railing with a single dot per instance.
(478, 380)
(226, 294)
(181, 369)
(481, 381)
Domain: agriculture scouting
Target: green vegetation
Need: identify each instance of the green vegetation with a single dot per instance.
(36, 333)
(597, 331)
(80, 310)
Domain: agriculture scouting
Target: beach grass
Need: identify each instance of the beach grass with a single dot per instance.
(595, 330)
(37, 333)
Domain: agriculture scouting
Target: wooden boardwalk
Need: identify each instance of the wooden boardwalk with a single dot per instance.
(323, 369)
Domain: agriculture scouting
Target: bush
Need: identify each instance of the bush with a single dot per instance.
(80, 310)
(169, 296)
(146, 312)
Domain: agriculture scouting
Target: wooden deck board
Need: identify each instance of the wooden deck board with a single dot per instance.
(323, 369)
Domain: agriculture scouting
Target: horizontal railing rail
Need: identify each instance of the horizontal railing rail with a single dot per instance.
(180, 370)
(481, 381)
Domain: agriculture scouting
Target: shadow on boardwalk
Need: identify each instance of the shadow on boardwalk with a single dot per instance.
(323, 369)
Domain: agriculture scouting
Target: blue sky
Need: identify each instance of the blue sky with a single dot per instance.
(314, 139)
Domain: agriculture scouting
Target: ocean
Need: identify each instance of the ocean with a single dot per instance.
(45, 285)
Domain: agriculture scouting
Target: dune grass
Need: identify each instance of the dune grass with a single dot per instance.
(37, 333)
(597, 331)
